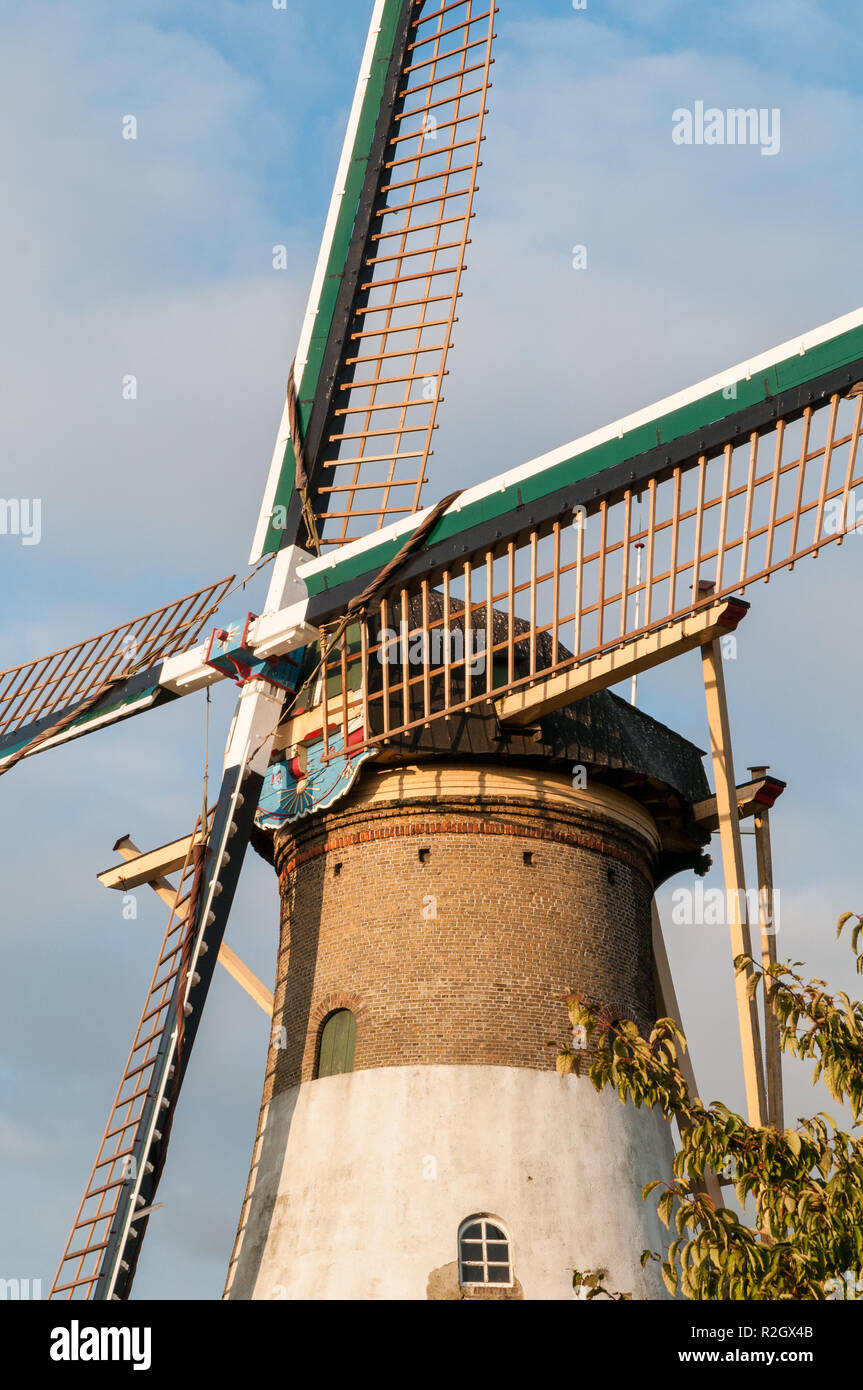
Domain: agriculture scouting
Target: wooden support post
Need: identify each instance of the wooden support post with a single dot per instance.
(767, 915)
(149, 867)
(164, 888)
(668, 1007)
(735, 882)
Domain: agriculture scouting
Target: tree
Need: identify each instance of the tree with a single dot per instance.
(806, 1184)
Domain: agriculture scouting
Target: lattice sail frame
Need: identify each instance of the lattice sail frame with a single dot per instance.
(371, 366)
(55, 684)
(391, 382)
(626, 561)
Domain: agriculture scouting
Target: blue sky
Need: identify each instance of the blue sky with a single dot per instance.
(153, 257)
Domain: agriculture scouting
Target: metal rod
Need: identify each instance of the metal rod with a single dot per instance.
(533, 563)
(699, 524)
(385, 665)
(580, 523)
(404, 635)
(489, 622)
(426, 650)
(510, 615)
(651, 538)
(600, 600)
(624, 580)
(675, 531)
(801, 481)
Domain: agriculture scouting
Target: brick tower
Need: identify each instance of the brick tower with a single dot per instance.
(415, 1140)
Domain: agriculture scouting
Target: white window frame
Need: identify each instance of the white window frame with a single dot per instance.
(485, 1219)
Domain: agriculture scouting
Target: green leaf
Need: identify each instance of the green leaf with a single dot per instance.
(565, 1063)
(666, 1202)
(792, 1139)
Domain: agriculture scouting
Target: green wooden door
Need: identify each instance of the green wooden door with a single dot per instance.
(338, 1040)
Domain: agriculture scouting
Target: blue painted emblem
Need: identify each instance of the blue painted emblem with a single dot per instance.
(296, 787)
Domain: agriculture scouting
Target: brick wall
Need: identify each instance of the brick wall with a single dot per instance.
(429, 922)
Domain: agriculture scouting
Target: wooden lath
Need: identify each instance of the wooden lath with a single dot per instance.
(82, 1263)
(54, 684)
(529, 609)
(389, 383)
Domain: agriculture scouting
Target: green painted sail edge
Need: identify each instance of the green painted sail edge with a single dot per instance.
(113, 709)
(707, 410)
(338, 252)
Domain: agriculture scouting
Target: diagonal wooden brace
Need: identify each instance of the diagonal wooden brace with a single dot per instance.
(150, 869)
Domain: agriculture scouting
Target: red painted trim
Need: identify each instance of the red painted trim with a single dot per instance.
(771, 791)
(735, 612)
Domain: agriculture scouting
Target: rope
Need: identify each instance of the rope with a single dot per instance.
(63, 723)
(199, 859)
(413, 542)
(357, 605)
(206, 755)
(301, 476)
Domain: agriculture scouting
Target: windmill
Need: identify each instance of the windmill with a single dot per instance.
(414, 689)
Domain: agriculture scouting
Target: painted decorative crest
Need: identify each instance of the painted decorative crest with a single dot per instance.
(300, 786)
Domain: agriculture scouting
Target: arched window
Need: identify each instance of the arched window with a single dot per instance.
(616, 1035)
(484, 1253)
(337, 1042)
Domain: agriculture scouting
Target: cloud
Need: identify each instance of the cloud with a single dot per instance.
(153, 258)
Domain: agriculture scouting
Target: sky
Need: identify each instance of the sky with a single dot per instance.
(153, 258)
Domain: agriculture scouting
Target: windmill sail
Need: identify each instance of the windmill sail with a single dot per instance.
(102, 1251)
(108, 677)
(507, 600)
(606, 543)
(110, 1199)
(371, 363)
